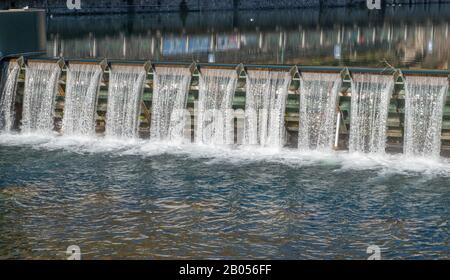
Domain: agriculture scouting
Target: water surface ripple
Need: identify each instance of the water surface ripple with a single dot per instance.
(146, 200)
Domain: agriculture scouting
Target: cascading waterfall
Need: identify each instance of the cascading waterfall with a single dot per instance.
(424, 103)
(83, 82)
(41, 85)
(215, 118)
(318, 102)
(126, 86)
(170, 91)
(265, 107)
(8, 95)
(266, 96)
(369, 111)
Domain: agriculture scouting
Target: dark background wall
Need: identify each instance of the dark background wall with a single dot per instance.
(22, 32)
(126, 6)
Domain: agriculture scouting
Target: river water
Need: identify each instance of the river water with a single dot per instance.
(149, 200)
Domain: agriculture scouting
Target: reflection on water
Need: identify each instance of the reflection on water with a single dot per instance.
(150, 200)
(407, 36)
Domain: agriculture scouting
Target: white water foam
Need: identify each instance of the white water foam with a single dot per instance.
(241, 155)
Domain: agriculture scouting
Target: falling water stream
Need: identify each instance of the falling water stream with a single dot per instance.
(265, 106)
(215, 118)
(8, 95)
(41, 86)
(369, 111)
(83, 81)
(170, 90)
(126, 85)
(318, 101)
(424, 104)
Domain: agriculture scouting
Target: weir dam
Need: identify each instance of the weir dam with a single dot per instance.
(232, 134)
(367, 110)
